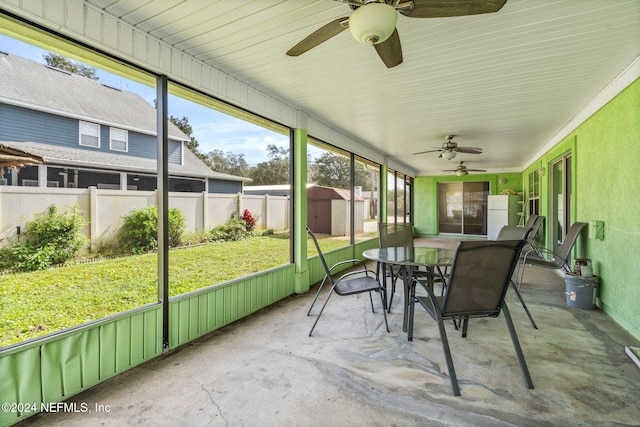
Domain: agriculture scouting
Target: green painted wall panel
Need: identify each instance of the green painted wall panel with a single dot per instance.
(199, 313)
(108, 359)
(122, 345)
(153, 333)
(58, 366)
(65, 363)
(219, 306)
(194, 318)
(19, 381)
(137, 338)
(203, 313)
(90, 359)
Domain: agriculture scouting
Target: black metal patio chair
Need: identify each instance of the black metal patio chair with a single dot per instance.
(546, 258)
(350, 283)
(478, 281)
(519, 233)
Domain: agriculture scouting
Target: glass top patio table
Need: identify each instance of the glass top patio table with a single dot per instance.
(410, 258)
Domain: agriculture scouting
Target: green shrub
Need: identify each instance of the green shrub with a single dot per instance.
(233, 230)
(28, 257)
(52, 238)
(139, 232)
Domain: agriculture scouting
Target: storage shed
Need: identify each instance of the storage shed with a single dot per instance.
(328, 210)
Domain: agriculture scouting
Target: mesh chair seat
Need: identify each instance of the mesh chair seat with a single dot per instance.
(356, 285)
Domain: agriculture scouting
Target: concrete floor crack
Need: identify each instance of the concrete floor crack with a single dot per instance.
(215, 404)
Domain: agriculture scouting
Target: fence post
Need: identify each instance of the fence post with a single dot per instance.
(93, 217)
(265, 222)
(205, 211)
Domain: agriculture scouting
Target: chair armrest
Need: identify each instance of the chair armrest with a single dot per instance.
(353, 273)
(355, 261)
(541, 252)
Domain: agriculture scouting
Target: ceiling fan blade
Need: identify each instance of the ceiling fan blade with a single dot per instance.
(445, 8)
(390, 50)
(321, 35)
(428, 151)
(476, 170)
(469, 150)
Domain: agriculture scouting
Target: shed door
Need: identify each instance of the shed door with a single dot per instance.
(319, 216)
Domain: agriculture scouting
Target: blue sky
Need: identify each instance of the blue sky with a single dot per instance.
(213, 130)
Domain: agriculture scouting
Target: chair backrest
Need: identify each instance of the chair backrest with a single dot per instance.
(513, 233)
(322, 260)
(535, 226)
(531, 221)
(479, 278)
(392, 235)
(561, 258)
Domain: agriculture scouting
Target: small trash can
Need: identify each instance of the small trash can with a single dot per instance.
(581, 290)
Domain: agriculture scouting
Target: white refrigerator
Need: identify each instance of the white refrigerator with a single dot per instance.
(502, 210)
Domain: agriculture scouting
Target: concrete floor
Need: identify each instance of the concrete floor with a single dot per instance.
(265, 371)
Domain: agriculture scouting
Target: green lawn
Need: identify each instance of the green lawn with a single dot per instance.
(37, 303)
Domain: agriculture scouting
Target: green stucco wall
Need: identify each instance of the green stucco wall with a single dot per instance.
(605, 157)
(608, 189)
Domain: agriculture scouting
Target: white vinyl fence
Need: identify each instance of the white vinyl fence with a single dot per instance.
(104, 210)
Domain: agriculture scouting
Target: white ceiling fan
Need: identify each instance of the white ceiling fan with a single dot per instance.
(449, 149)
(462, 170)
(373, 22)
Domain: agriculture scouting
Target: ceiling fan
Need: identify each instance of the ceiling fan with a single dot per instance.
(462, 170)
(374, 22)
(449, 149)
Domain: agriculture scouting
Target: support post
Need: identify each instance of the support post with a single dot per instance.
(299, 199)
(163, 206)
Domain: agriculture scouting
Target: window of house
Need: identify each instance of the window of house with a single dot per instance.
(90, 134)
(533, 194)
(118, 139)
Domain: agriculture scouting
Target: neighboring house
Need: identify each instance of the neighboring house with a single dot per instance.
(91, 135)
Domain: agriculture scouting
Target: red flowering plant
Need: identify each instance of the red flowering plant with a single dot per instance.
(249, 220)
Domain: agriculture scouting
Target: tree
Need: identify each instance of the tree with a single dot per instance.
(185, 127)
(333, 170)
(228, 162)
(62, 63)
(273, 171)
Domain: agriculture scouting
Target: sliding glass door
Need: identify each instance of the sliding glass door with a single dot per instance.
(462, 208)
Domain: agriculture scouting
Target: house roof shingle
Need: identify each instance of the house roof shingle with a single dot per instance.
(36, 86)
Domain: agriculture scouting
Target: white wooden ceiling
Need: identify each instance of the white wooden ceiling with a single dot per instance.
(507, 82)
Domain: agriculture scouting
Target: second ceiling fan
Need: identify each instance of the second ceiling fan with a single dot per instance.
(462, 170)
(374, 22)
(449, 149)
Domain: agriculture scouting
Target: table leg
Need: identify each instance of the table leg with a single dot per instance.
(406, 278)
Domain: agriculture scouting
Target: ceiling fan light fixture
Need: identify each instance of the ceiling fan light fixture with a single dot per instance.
(461, 172)
(373, 23)
(448, 154)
